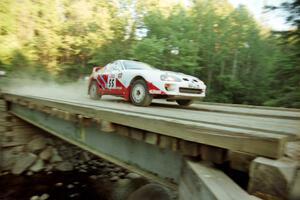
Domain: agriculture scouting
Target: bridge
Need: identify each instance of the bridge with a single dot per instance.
(174, 146)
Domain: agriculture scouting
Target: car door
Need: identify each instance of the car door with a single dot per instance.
(114, 84)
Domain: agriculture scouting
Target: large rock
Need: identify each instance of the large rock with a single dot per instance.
(64, 166)
(37, 144)
(132, 175)
(17, 149)
(85, 156)
(25, 160)
(38, 165)
(8, 158)
(295, 189)
(151, 191)
(55, 157)
(46, 154)
(124, 187)
(16, 140)
(44, 196)
(271, 177)
(35, 197)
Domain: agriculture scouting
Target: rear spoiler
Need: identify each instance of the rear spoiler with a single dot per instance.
(95, 69)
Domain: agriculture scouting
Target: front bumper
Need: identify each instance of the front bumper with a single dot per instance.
(180, 90)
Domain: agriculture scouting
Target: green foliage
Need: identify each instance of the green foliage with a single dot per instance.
(149, 50)
(19, 61)
(228, 90)
(238, 60)
(284, 85)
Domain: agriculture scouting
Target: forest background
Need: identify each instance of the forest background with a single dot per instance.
(240, 60)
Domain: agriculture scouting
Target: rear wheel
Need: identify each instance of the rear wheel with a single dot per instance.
(139, 94)
(185, 102)
(93, 91)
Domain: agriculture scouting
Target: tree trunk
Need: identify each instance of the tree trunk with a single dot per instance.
(234, 66)
(209, 79)
(222, 68)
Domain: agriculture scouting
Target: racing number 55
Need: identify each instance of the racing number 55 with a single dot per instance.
(111, 82)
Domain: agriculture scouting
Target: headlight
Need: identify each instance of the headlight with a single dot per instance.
(171, 78)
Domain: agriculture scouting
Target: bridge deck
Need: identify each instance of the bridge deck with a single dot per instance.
(245, 129)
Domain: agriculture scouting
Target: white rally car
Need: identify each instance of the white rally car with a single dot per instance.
(140, 83)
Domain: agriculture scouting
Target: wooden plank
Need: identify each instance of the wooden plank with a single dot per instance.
(4, 114)
(122, 130)
(200, 180)
(85, 121)
(3, 105)
(19, 133)
(3, 129)
(272, 179)
(283, 114)
(165, 142)
(240, 161)
(294, 192)
(69, 116)
(136, 134)
(31, 105)
(24, 130)
(14, 119)
(107, 126)
(292, 150)
(188, 148)
(3, 109)
(23, 102)
(213, 154)
(151, 138)
(45, 109)
(54, 112)
(11, 139)
(175, 144)
(229, 106)
(19, 124)
(4, 118)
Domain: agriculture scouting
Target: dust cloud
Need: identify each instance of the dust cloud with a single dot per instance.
(38, 87)
(73, 91)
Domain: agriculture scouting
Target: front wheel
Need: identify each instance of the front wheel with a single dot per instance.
(139, 95)
(93, 91)
(185, 102)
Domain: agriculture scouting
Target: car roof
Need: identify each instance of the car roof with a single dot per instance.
(128, 60)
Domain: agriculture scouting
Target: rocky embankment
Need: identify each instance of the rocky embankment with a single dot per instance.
(37, 166)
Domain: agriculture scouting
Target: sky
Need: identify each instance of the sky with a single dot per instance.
(272, 19)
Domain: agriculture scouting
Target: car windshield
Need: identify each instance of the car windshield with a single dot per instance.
(128, 64)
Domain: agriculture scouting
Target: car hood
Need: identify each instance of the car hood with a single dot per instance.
(158, 72)
(174, 73)
(179, 74)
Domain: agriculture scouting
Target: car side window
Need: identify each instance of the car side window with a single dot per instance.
(108, 67)
(102, 70)
(117, 66)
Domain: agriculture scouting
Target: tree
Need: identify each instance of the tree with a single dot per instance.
(285, 79)
(238, 60)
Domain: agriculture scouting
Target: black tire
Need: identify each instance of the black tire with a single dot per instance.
(93, 91)
(184, 102)
(139, 94)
